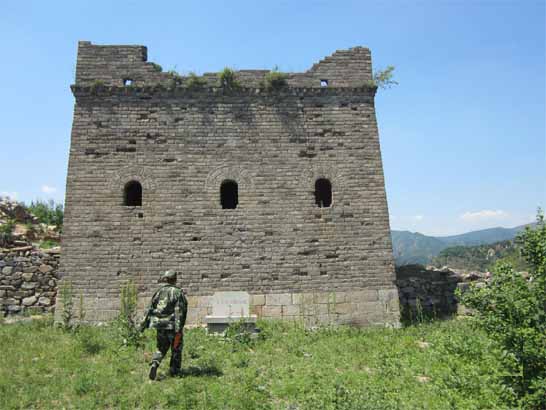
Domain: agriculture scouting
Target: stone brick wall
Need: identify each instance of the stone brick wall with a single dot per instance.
(181, 143)
(28, 279)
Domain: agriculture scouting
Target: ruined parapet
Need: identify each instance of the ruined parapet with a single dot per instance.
(308, 235)
(119, 66)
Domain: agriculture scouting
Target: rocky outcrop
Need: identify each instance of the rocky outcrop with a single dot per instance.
(28, 279)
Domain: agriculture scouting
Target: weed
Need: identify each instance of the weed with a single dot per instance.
(228, 79)
(194, 81)
(67, 302)
(81, 309)
(275, 79)
(175, 79)
(126, 322)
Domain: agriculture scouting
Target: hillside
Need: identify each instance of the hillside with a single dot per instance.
(480, 257)
(414, 247)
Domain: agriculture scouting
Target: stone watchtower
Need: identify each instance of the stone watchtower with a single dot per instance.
(276, 191)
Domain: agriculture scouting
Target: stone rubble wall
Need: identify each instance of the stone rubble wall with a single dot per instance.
(432, 290)
(28, 279)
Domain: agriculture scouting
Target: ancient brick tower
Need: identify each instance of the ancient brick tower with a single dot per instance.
(275, 191)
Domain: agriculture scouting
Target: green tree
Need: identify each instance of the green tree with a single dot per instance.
(511, 308)
(47, 212)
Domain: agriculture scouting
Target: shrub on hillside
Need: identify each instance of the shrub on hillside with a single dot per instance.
(512, 310)
(6, 232)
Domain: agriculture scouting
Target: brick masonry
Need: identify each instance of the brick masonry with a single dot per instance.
(180, 143)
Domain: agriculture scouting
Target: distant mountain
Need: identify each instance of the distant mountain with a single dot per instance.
(482, 237)
(414, 247)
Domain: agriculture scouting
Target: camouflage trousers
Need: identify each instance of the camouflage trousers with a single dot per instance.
(166, 340)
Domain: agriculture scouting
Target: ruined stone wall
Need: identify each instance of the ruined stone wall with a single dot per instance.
(431, 293)
(181, 143)
(28, 279)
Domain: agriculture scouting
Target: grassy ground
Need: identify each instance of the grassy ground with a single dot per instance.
(443, 365)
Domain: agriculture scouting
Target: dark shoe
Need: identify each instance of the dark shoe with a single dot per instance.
(153, 371)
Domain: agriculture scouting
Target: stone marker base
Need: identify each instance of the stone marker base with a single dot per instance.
(219, 324)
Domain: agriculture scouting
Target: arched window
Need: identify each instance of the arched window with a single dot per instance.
(323, 193)
(132, 194)
(229, 195)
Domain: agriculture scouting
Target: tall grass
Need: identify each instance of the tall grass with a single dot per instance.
(441, 365)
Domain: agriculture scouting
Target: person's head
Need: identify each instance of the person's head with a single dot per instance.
(169, 276)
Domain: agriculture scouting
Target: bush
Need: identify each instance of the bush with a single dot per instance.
(126, 322)
(227, 79)
(157, 67)
(275, 79)
(47, 212)
(194, 81)
(175, 79)
(6, 232)
(512, 310)
(383, 78)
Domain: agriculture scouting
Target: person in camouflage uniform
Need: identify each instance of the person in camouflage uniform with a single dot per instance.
(167, 314)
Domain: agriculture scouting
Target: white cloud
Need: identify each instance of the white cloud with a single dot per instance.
(11, 195)
(46, 189)
(486, 214)
(418, 218)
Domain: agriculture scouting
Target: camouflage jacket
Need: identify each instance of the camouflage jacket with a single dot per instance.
(168, 308)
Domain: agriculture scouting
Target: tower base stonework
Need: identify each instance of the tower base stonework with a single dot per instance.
(277, 191)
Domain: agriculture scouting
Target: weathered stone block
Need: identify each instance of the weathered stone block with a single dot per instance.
(257, 300)
(272, 311)
(291, 310)
(278, 299)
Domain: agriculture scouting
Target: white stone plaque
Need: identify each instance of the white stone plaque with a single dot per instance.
(231, 304)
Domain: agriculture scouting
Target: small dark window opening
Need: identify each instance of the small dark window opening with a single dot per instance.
(132, 195)
(229, 195)
(127, 82)
(324, 83)
(323, 193)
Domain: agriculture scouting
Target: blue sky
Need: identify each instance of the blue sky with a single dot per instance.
(463, 136)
